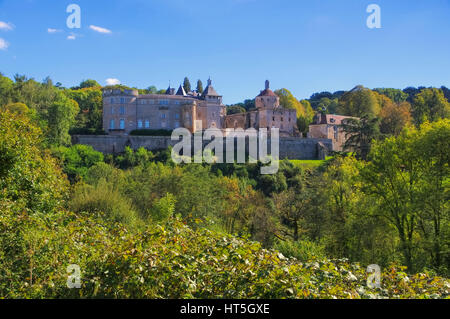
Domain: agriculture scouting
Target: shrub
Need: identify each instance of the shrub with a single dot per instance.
(303, 250)
(103, 198)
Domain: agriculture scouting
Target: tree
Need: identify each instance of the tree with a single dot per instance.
(359, 102)
(152, 89)
(90, 102)
(292, 206)
(28, 175)
(235, 109)
(6, 90)
(412, 92)
(408, 177)
(187, 85)
(77, 159)
(327, 106)
(303, 121)
(431, 154)
(394, 117)
(359, 134)
(446, 92)
(395, 95)
(18, 108)
(60, 118)
(288, 101)
(430, 105)
(89, 84)
(199, 86)
(341, 196)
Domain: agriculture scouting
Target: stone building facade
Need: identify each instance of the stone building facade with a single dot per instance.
(126, 110)
(268, 114)
(329, 126)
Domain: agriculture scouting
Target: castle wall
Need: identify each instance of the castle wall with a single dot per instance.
(290, 147)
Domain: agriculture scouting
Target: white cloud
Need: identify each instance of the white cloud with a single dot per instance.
(6, 26)
(99, 29)
(51, 30)
(71, 37)
(3, 44)
(111, 81)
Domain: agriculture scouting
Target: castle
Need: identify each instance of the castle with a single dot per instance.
(126, 110)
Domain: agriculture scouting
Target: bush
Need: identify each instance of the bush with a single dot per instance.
(103, 198)
(303, 250)
(77, 159)
(174, 261)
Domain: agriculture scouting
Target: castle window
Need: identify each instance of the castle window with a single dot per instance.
(282, 119)
(177, 124)
(122, 110)
(122, 100)
(147, 124)
(122, 124)
(177, 116)
(177, 102)
(163, 102)
(163, 115)
(139, 123)
(112, 100)
(163, 124)
(273, 118)
(112, 109)
(111, 125)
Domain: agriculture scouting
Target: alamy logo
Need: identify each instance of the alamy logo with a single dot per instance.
(374, 19)
(214, 152)
(74, 19)
(74, 278)
(374, 279)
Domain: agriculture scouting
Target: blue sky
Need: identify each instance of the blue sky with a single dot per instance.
(304, 46)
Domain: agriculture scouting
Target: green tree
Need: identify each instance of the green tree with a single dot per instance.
(359, 102)
(6, 90)
(89, 84)
(199, 86)
(235, 109)
(430, 105)
(90, 101)
(77, 159)
(28, 175)
(60, 118)
(187, 85)
(303, 121)
(359, 134)
(327, 106)
(395, 95)
(164, 208)
(394, 117)
(408, 176)
(288, 101)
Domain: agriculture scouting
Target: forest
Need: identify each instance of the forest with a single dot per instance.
(140, 226)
